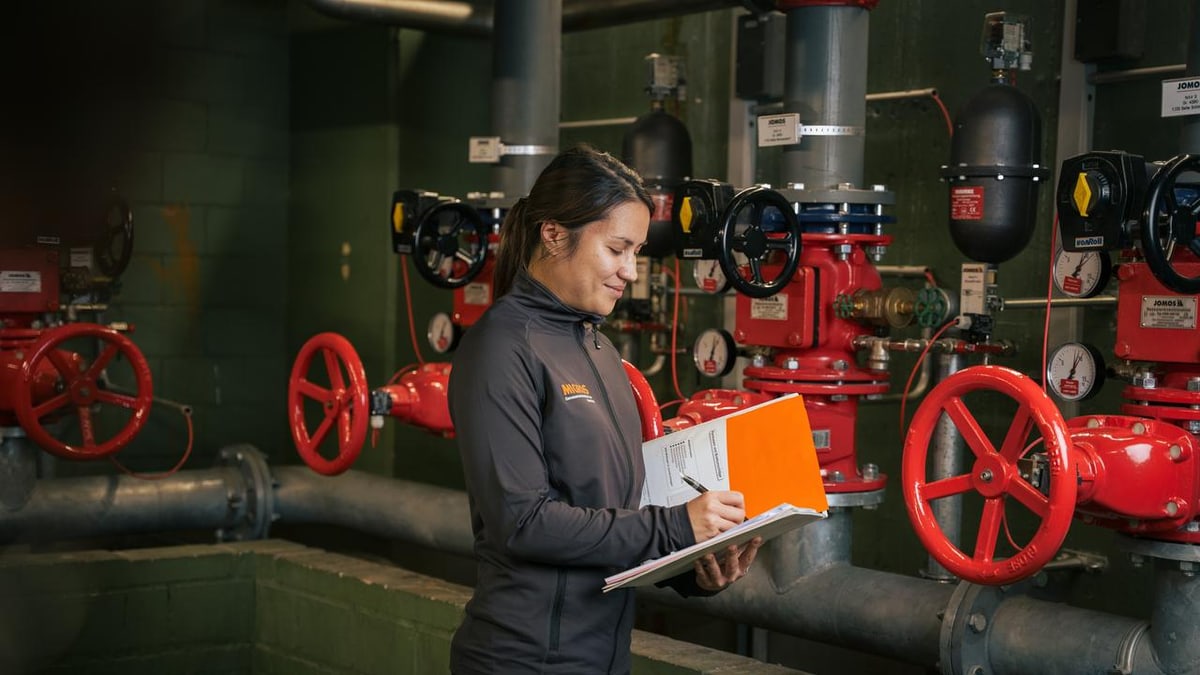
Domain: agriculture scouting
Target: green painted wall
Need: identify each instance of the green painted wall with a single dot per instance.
(181, 108)
(261, 607)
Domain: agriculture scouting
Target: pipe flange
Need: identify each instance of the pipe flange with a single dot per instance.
(963, 645)
(1164, 550)
(795, 192)
(841, 500)
(257, 504)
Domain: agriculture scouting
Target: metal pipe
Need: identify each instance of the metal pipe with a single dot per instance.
(948, 460)
(609, 122)
(1028, 637)
(475, 18)
(866, 610)
(825, 81)
(526, 57)
(1174, 631)
(1039, 303)
(911, 271)
(65, 508)
(1111, 76)
(385, 507)
(901, 95)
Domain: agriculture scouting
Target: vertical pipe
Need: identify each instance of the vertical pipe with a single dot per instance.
(1174, 631)
(1190, 137)
(810, 549)
(948, 460)
(526, 53)
(825, 81)
(18, 470)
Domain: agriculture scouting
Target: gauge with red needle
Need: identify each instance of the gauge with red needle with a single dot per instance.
(709, 277)
(1081, 274)
(714, 352)
(1075, 371)
(443, 334)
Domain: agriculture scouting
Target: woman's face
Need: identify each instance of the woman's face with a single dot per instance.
(593, 277)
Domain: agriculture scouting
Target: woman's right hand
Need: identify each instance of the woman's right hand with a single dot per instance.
(714, 512)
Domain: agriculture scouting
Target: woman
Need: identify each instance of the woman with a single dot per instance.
(550, 439)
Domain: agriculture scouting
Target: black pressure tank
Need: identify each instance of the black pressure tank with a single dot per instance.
(658, 147)
(994, 174)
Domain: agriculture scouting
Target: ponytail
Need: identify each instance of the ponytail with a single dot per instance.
(579, 186)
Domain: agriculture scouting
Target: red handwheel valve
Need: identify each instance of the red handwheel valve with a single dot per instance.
(994, 475)
(343, 404)
(81, 390)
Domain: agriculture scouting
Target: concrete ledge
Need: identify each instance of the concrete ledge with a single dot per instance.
(276, 607)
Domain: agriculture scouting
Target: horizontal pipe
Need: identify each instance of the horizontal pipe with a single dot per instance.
(1136, 74)
(433, 516)
(901, 95)
(475, 18)
(67, 508)
(886, 614)
(608, 122)
(1038, 303)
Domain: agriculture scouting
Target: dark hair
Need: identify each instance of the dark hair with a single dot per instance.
(579, 186)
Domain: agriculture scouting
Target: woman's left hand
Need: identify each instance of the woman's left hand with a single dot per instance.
(715, 574)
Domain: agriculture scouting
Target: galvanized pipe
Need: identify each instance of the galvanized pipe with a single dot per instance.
(948, 459)
(866, 610)
(65, 508)
(825, 81)
(526, 56)
(385, 507)
(475, 18)
(1033, 637)
(1174, 630)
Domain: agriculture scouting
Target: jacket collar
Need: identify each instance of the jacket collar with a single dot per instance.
(531, 292)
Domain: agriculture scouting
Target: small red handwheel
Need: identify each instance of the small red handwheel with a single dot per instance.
(82, 389)
(647, 405)
(994, 475)
(343, 404)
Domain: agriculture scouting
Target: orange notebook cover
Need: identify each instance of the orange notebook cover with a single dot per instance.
(772, 459)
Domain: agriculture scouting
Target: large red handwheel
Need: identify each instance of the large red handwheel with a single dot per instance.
(343, 404)
(82, 390)
(994, 475)
(647, 405)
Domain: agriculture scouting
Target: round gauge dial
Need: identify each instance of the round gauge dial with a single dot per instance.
(443, 333)
(714, 353)
(1081, 274)
(1075, 371)
(709, 276)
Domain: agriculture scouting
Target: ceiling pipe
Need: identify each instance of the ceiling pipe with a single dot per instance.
(475, 18)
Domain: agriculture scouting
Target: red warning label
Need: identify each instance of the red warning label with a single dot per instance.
(966, 203)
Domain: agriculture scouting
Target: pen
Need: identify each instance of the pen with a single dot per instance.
(695, 484)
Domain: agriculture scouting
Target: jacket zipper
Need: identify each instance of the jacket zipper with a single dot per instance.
(560, 593)
(612, 414)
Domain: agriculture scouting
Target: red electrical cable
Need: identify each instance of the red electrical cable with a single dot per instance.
(412, 329)
(945, 113)
(187, 452)
(908, 384)
(1049, 304)
(674, 336)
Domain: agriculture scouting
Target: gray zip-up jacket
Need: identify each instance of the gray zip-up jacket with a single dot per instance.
(550, 440)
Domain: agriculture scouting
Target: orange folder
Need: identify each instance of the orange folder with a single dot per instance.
(772, 459)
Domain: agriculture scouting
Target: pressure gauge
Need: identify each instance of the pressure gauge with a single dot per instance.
(709, 277)
(1081, 274)
(714, 353)
(443, 333)
(1075, 371)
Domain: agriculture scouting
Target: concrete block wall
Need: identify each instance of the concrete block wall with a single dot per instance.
(268, 608)
(181, 108)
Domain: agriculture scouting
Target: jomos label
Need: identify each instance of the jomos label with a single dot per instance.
(966, 202)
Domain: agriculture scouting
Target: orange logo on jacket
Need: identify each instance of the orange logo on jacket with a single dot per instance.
(573, 391)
